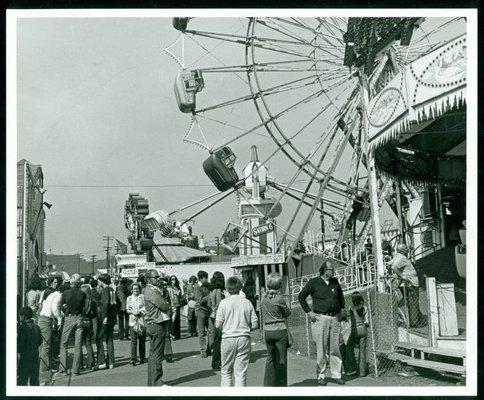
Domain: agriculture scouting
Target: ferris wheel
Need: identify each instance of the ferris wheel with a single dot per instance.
(293, 85)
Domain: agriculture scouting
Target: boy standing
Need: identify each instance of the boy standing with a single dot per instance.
(29, 338)
(236, 317)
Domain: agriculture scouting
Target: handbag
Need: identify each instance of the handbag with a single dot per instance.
(139, 327)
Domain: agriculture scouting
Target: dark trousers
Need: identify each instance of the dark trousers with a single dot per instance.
(275, 373)
(157, 334)
(87, 339)
(123, 325)
(106, 334)
(176, 325)
(192, 321)
(350, 363)
(28, 369)
(203, 324)
(217, 341)
(139, 339)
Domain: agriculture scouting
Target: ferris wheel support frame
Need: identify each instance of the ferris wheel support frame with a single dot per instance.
(372, 180)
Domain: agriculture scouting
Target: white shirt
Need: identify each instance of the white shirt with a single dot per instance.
(236, 315)
(50, 306)
(135, 305)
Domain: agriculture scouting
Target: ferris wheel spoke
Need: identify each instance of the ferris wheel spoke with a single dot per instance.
(291, 85)
(336, 58)
(315, 32)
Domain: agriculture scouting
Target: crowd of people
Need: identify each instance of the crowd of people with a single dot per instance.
(221, 312)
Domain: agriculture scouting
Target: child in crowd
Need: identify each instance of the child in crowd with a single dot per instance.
(236, 317)
(29, 338)
(357, 338)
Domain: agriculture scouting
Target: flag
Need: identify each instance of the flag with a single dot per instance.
(121, 247)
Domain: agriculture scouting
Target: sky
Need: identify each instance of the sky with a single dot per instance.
(96, 108)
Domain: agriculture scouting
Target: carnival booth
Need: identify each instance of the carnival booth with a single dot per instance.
(417, 131)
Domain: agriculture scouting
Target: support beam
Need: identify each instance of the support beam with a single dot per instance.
(372, 181)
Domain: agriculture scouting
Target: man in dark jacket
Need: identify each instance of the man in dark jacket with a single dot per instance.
(72, 304)
(201, 293)
(328, 301)
(122, 293)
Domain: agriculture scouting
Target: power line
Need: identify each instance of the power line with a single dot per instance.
(126, 186)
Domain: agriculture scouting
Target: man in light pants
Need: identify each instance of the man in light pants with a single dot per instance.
(328, 301)
(236, 317)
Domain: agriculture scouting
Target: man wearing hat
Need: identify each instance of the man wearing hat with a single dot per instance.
(157, 319)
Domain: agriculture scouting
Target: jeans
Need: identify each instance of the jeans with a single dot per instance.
(139, 339)
(45, 325)
(203, 323)
(216, 350)
(87, 339)
(350, 359)
(192, 321)
(276, 363)
(123, 325)
(106, 334)
(235, 361)
(176, 325)
(326, 332)
(157, 334)
(70, 326)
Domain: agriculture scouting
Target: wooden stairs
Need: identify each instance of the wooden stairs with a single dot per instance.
(443, 360)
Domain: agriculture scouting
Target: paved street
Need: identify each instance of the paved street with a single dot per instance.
(191, 370)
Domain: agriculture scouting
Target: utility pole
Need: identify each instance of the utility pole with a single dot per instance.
(107, 248)
(79, 263)
(93, 260)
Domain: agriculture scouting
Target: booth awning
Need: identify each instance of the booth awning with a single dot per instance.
(420, 116)
(168, 251)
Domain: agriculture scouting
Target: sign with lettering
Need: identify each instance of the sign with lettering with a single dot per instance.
(260, 259)
(261, 229)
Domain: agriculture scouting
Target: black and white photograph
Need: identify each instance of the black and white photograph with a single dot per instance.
(241, 202)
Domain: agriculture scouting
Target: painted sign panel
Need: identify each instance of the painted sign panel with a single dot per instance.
(261, 229)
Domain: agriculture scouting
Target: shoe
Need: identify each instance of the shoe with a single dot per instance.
(76, 373)
(102, 366)
(338, 381)
(142, 361)
(60, 374)
(111, 366)
(204, 355)
(322, 382)
(133, 363)
(351, 373)
(95, 368)
(216, 368)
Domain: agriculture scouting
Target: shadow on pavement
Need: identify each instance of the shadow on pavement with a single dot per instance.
(186, 354)
(306, 382)
(255, 355)
(192, 377)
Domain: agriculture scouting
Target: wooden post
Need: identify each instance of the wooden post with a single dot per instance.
(432, 310)
(401, 220)
(370, 320)
(372, 182)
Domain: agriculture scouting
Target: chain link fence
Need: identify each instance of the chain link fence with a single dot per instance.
(393, 316)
